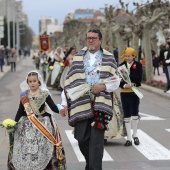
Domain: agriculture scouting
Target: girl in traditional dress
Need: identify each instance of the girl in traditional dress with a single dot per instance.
(44, 64)
(67, 64)
(37, 142)
(50, 65)
(58, 58)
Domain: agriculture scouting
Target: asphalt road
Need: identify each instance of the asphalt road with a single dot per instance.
(154, 129)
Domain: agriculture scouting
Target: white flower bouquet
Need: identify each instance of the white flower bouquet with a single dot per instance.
(125, 76)
(79, 91)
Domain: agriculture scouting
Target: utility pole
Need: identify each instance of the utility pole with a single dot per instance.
(18, 21)
(18, 35)
(8, 23)
(14, 17)
(1, 28)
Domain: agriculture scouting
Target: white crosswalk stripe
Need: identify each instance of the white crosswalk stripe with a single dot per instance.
(79, 155)
(150, 148)
(149, 117)
(167, 130)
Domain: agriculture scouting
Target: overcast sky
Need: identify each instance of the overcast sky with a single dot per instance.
(58, 9)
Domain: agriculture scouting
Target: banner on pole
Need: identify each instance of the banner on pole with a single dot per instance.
(44, 43)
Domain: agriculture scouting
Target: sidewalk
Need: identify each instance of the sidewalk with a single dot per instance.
(161, 77)
(156, 77)
(5, 69)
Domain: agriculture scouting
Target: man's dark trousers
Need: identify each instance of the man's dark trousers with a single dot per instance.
(91, 143)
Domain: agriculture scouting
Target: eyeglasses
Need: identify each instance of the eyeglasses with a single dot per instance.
(91, 38)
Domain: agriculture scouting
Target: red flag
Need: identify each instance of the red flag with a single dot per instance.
(44, 43)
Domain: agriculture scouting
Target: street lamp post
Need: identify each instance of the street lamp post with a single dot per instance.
(1, 28)
(18, 21)
(18, 37)
(8, 23)
(13, 19)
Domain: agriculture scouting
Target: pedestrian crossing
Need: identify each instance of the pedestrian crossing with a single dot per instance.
(167, 130)
(149, 148)
(149, 117)
(75, 147)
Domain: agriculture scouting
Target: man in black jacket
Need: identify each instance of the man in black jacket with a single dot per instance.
(2, 56)
(167, 68)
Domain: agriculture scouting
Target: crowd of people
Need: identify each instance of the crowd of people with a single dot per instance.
(94, 72)
(8, 57)
(164, 58)
(160, 59)
(54, 65)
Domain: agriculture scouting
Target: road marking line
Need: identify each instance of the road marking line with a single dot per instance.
(168, 130)
(149, 117)
(150, 148)
(80, 157)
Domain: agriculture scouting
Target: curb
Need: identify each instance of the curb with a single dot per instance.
(155, 91)
(6, 69)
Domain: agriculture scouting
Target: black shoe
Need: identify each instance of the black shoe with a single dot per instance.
(166, 90)
(128, 143)
(136, 141)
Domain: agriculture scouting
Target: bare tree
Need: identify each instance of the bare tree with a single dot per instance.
(142, 23)
(26, 38)
(72, 33)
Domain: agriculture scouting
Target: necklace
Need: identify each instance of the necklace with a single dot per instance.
(33, 94)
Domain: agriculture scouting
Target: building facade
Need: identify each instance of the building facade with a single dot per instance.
(87, 16)
(44, 22)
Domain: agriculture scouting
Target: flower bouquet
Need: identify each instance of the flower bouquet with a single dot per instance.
(109, 80)
(10, 126)
(46, 62)
(61, 64)
(125, 76)
(51, 68)
(79, 91)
